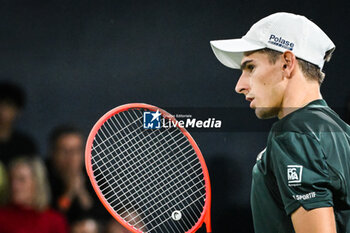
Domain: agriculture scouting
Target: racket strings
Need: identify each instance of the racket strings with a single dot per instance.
(109, 177)
(111, 138)
(127, 168)
(109, 152)
(122, 145)
(164, 168)
(190, 221)
(184, 208)
(188, 175)
(108, 148)
(160, 216)
(198, 170)
(180, 151)
(145, 162)
(125, 127)
(165, 198)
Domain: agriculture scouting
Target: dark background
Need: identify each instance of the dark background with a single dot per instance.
(78, 59)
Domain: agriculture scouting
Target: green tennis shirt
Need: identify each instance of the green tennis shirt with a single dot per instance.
(306, 163)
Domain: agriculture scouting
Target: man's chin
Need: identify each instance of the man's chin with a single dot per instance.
(266, 113)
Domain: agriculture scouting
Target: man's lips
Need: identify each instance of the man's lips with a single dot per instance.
(250, 99)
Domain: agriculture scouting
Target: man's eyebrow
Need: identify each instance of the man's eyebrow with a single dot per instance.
(244, 64)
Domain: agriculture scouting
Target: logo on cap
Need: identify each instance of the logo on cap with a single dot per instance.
(279, 41)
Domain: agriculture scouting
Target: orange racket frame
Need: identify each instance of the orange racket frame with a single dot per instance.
(205, 215)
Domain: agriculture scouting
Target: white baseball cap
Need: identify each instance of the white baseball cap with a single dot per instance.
(280, 31)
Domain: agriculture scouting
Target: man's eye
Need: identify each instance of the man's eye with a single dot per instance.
(250, 67)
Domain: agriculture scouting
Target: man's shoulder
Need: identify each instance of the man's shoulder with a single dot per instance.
(311, 120)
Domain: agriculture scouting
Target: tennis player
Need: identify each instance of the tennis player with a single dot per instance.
(301, 180)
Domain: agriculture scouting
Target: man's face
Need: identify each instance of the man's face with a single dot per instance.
(69, 153)
(85, 226)
(262, 83)
(8, 113)
(22, 185)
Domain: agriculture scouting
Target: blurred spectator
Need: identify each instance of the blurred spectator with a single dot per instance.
(3, 184)
(28, 210)
(85, 225)
(12, 141)
(113, 226)
(132, 217)
(72, 190)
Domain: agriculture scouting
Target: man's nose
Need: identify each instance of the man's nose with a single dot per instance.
(242, 86)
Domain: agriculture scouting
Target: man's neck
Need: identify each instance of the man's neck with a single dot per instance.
(300, 92)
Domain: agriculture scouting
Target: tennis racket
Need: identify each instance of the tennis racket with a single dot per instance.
(150, 178)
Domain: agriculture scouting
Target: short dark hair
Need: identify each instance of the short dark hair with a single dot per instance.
(12, 93)
(61, 130)
(311, 71)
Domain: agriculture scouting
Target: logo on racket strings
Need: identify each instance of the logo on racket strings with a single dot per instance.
(151, 120)
(176, 215)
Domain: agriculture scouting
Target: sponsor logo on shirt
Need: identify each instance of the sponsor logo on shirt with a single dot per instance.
(305, 196)
(294, 173)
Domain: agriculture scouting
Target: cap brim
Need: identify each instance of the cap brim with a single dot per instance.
(230, 52)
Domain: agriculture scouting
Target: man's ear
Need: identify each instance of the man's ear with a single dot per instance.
(288, 63)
